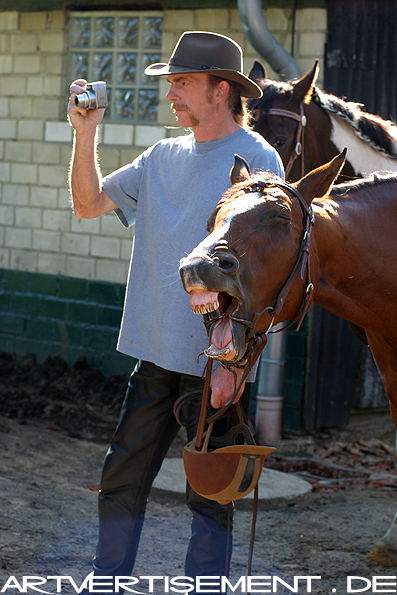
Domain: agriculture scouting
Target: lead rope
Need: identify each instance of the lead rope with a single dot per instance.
(261, 342)
(252, 534)
(253, 527)
(204, 404)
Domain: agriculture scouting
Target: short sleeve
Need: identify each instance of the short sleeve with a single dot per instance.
(122, 186)
(266, 158)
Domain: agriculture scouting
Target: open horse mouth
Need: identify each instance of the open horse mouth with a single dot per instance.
(226, 340)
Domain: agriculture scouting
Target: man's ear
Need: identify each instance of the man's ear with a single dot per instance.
(222, 89)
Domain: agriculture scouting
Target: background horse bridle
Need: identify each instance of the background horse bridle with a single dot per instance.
(299, 149)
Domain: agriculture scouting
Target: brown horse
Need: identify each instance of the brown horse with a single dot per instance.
(276, 247)
(330, 124)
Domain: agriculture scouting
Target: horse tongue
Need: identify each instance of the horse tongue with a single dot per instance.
(222, 334)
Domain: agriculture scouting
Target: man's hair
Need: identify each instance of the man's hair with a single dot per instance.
(237, 106)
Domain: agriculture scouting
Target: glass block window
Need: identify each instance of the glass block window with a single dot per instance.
(116, 48)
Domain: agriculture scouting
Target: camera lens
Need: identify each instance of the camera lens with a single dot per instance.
(82, 100)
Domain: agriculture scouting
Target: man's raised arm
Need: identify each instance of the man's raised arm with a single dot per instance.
(85, 179)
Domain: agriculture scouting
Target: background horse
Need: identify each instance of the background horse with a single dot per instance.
(275, 248)
(330, 125)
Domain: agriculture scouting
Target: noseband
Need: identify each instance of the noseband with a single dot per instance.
(302, 267)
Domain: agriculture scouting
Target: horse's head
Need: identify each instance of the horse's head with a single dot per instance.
(282, 114)
(237, 275)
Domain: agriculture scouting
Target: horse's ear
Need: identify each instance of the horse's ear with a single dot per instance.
(257, 72)
(240, 170)
(319, 181)
(304, 87)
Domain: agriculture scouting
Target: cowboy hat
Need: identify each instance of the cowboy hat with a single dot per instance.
(201, 51)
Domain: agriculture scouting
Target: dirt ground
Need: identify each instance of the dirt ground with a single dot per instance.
(54, 426)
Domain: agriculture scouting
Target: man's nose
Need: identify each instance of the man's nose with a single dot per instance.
(171, 95)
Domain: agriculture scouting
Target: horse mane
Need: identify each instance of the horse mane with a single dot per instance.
(380, 134)
(346, 189)
(373, 181)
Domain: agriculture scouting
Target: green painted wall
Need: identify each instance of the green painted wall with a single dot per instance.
(49, 314)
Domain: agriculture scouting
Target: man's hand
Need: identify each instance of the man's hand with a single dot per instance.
(82, 119)
(223, 384)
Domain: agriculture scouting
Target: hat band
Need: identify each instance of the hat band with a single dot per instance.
(174, 62)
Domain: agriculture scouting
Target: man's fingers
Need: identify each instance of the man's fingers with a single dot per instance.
(78, 86)
(75, 109)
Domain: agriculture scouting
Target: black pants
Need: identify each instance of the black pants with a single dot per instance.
(146, 428)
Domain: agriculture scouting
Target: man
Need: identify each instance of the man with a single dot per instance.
(170, 191)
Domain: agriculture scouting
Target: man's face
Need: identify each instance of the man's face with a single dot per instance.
(191, 97)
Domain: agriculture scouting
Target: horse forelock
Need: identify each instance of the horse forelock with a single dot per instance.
(243, 187)
(248, 185)
(380, 134)
(270, 90)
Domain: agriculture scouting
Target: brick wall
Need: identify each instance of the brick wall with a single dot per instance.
(38, 233)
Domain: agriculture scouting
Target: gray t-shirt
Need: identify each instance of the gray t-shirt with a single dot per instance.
(169, 192)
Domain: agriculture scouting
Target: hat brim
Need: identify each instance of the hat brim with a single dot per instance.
(248, 87)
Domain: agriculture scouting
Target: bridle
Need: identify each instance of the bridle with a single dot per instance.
(299, 149)
(257, 340)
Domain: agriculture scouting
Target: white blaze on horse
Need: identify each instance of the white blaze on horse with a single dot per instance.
(275, 247)
(308, 127)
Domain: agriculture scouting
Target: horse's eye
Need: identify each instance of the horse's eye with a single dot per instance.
(279, 141)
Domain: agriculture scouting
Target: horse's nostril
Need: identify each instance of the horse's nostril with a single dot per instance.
(227, 262)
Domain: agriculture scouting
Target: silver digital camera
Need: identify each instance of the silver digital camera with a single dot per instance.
(94, 97)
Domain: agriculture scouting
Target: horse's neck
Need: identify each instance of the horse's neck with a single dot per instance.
(333, 261)
(318, 146)
(352, 247)
(361, 155)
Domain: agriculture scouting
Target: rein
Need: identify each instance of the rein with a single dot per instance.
(299, 137)
(201, 437)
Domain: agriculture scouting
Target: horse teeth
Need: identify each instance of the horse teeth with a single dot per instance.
(205, 308)
(211, 307)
